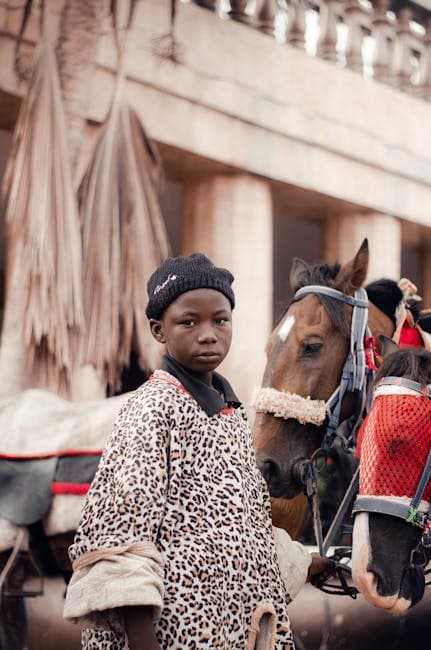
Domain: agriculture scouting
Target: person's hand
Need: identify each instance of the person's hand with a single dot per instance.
(320, 568)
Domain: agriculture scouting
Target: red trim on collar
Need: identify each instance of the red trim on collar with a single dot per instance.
(177, 384)
(228, 410)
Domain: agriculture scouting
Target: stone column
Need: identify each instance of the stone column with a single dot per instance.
(425, 285)
(344, 234)
(229, 218)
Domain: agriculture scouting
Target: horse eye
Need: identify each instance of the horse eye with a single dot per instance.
(310, 349)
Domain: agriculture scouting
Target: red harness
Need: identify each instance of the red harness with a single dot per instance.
(393, 444)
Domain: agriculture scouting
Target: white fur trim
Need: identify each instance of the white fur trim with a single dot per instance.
(294, 561)
(116, 580)
(289, 405)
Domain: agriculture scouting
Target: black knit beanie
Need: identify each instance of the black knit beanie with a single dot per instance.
(176, 275)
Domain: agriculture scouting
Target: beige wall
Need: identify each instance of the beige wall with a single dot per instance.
(241, 100)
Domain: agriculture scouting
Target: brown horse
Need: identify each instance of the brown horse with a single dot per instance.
(389, 554)
(306, 354)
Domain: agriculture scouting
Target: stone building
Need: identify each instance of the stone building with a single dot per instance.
(283, 132)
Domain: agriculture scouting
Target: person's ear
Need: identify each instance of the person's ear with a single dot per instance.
(157, 330)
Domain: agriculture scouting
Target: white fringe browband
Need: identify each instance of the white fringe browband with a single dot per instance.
(289, 405)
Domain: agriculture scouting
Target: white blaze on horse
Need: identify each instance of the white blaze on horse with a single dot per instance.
(392, 529)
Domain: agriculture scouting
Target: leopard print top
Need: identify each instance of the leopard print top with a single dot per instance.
(189, 483)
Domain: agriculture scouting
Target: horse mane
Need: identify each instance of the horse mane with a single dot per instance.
(324, 275)
(386, 295)
(411, 363)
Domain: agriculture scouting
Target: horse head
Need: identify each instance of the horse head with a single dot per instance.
(392, 529)
(306, 354)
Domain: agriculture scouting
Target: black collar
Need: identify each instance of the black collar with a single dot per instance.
(210, 400)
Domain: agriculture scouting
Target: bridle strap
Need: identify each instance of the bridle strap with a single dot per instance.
(405, 383)
(375, 505)
(353, 301)
(355, 375)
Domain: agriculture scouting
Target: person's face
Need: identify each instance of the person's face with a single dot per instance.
(197, 330)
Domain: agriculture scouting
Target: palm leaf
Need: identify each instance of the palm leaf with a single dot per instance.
(124, 239)
(43, 224)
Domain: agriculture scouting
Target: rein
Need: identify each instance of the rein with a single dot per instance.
(409, 513)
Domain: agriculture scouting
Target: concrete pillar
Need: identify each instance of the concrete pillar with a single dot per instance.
(229, 218)
(425, 285)
(344, 234)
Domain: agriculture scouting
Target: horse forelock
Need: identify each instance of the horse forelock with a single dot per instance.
(325, 275)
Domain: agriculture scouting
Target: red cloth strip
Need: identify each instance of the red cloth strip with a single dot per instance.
(51, 454)
(70, 488)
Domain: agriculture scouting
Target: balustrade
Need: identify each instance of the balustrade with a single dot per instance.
(399, 34)
(265, 16)
(327, 42)
(407, 50)
(295, 33)
(356, 17)
(424, 86)
(399, 31)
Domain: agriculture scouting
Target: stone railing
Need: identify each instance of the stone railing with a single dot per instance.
(389, 40)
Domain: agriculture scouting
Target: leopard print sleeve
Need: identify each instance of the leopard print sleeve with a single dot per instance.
(115, 555)
(126, 499)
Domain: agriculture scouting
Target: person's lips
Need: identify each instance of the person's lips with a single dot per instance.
(208, 356)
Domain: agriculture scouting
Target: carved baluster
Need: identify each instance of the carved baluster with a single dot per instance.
(237, 11)
(207, 4)
(327, 43)
(424, 88)
(295, 34)
(383, 33)
(356, 18)
(265, 16)
(404, 46)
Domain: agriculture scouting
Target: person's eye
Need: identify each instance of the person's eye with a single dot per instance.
(221, 321)
(188, 323)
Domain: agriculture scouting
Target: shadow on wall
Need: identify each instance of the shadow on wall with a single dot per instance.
(292, 238)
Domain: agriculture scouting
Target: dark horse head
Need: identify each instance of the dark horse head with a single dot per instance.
(394, 442)
(306, 354)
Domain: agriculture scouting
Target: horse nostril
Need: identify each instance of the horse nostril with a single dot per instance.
(270, 470)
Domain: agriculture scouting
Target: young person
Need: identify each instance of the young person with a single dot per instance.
(175, 548)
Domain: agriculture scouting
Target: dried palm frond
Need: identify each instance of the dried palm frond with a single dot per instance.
(43, 222)
(166, 46)
(124, 239)
(81, 24)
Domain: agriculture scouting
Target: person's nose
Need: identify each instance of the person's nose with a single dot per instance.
(207, 333)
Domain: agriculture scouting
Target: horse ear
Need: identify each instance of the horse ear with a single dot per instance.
(388, 345)
(298, 268)
(352, 275)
